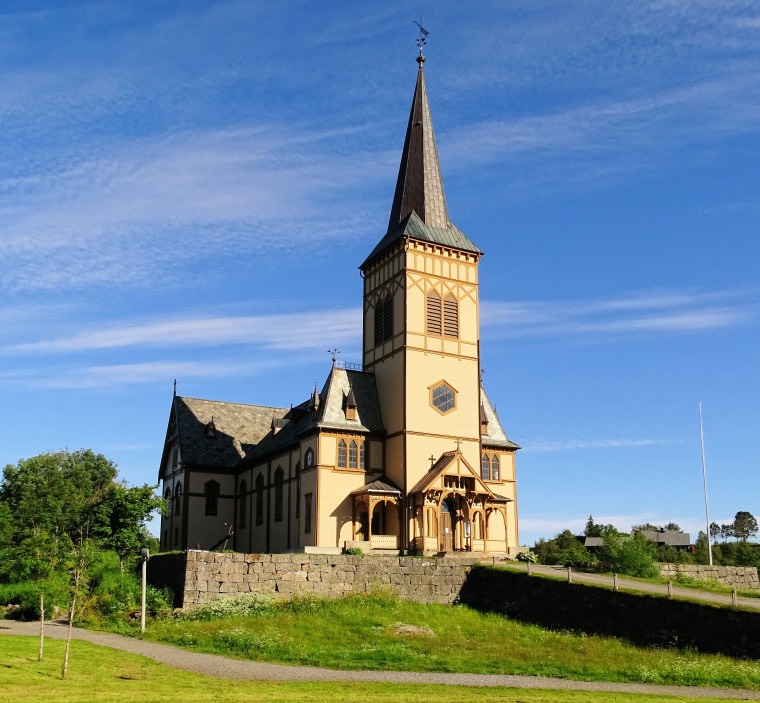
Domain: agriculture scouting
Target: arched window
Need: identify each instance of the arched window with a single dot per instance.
(485, 468)
(384, 320)
(178, 499)
(242, 504)
(353, 455)
(361, 454)
(259, 499)
(495, 467)
(433, 314)
(211, 493)
(342, 453)
(298, 489)
(278, 494)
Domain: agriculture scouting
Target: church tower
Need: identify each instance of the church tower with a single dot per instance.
(421, 319)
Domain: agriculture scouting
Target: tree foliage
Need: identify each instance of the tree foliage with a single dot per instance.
(744, 525)
(633, 556)
(565, 549)
(53, 503)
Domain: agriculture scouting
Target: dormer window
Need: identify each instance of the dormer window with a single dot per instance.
(483, 420)
(350, 405)
(211, 429)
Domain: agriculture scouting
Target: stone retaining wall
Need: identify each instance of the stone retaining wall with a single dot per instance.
(740, 577)
(209, 575)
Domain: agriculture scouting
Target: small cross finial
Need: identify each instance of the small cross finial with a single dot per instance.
(432, 460)
(334, 353)
(421, 40)
(458, 443)
(175, 386)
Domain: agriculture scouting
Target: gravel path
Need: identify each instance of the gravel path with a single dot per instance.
(560, 572)
(223, 667)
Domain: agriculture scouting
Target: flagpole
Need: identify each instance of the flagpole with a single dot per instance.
(704, 481)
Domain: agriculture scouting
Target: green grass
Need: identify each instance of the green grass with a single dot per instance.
(360, 632)
(101, 675)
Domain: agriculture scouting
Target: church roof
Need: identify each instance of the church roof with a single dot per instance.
(236, 429)
(419, 209)
(380, 486)
(339, 385)
(440, 467)
(326, 410)
(496, 436)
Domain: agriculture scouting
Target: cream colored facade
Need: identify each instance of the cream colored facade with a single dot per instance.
(405, 453)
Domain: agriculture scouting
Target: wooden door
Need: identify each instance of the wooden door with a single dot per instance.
(447, 528)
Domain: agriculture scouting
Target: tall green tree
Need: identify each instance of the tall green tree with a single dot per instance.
(57, 492)
(744, 525)
(128, 509)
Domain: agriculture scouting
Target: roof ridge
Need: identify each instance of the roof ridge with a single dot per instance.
(231, 402)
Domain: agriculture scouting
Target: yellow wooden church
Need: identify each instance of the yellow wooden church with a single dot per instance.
(403, 453)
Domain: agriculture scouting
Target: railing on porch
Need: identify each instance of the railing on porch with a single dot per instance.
(478, 545)
(384, 542)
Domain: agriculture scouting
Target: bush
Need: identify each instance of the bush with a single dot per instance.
(565, 549)
(26, 595)
(633, 556)
(234, 606)
(527, 557)
(356, 551)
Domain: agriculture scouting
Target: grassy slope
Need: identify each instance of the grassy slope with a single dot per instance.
(98, 675)
(359, 632)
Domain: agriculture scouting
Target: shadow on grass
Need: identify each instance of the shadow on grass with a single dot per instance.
(643, 620)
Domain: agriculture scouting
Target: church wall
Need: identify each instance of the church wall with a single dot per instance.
(389, 380)
(462, 375)
(328, 450)
(375, 455)
(335, 505)
(309, 488)
(208, 529)
(394, 460)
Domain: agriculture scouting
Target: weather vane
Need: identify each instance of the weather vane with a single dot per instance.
(422, 38)
(334, 353)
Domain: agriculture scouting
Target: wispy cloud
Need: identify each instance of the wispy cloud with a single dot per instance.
(112, 376)
(635, 314)
(575, 444)
(294, 331)
(611, 136)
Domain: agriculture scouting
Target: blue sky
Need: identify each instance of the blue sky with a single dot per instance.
(187, 189)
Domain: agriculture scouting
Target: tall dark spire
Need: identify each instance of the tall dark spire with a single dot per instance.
(419, 205)
(419, 187)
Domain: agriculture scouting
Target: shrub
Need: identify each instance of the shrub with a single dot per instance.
(26, 594)
(356, 551)
(565, 549)
(526, 557)
(240, 605)
(633, 556)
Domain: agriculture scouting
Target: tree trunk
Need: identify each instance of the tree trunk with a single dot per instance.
(65, 669)
(72, 608)
(42, 624)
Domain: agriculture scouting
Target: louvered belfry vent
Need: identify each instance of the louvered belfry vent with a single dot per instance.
(450, 317)
(434, 314)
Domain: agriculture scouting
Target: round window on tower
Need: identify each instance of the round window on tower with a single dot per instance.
(443, 397)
